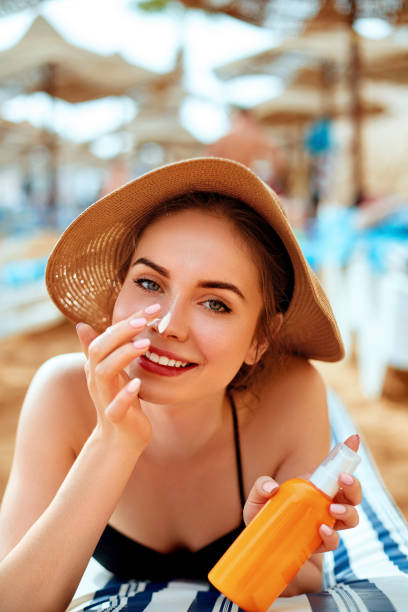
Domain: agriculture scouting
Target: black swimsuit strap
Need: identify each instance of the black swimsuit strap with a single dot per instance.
(237, 450)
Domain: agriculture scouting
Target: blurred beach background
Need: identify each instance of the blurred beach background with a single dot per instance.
(312, 94)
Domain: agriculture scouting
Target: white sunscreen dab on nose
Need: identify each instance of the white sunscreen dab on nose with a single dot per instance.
(163, 323)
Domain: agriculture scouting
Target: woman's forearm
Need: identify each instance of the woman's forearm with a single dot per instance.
(46, 566)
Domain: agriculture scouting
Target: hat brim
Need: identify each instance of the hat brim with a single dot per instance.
(81, 274)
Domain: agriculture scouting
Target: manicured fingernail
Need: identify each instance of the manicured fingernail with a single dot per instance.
(109, 330)
(134, 385)
(326, 529)
(137, 322)
(269, 486)
(142, 343)
(152, 309)
(337, 508)
(78, 326)
(346, 479)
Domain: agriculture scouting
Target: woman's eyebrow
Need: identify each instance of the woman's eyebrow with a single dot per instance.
(221, 285)
(154, 266)
(207, 284)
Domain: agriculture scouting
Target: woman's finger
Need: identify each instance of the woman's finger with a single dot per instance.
(264, 488)
(107, 371)
(350, 490)
(120, 333)
(86, 334)
(353, 442)
(114, 363)
(346, 516)
(330, 539)
(113, 337)
(123, 401)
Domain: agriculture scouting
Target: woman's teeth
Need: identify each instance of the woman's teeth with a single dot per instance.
(163, 360)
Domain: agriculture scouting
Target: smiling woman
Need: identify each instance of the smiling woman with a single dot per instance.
(194, 397)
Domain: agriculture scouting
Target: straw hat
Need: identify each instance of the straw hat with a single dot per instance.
(82, 271)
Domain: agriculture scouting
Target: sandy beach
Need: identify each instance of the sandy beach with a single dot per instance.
(383, 423)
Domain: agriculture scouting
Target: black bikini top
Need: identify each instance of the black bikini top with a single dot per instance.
(128, 559)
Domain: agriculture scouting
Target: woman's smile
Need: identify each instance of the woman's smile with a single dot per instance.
(164, 363)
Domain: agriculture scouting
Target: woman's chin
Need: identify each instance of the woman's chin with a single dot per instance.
(154, 394)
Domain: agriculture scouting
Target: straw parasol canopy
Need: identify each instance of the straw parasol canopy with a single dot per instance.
(290, 15)
(313, 47)
(251, 11)
(302, 104)
(13, 134)
(164, 129)
(44, 61)
(166, 92)
(328, 17)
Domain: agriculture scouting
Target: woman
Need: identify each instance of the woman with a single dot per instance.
(193, 397)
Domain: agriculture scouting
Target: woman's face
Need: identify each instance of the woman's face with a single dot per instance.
(198, 268)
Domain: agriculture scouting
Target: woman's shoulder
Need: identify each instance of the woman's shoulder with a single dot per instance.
(287, 413)
(292, 378)
(58, 397)
(66, 371)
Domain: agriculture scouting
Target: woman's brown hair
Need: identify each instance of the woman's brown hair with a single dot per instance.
(275, 268)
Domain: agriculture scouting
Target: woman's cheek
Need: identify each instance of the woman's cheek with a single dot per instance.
(129, 302)
(125, 306)
(120, 310)
(223, 345)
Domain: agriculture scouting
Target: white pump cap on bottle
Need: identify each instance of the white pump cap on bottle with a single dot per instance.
(340, 459)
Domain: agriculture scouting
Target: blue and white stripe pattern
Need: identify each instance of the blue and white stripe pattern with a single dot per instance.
(367, 573)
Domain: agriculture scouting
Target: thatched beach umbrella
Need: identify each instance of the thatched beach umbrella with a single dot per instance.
(303, 103)
(162, 128)
(44, 61)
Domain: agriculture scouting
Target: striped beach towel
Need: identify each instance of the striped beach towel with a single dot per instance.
(367, 573)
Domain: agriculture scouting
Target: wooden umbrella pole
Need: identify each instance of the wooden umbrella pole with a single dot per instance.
(327, 82)
(52, 147)
(356, 112)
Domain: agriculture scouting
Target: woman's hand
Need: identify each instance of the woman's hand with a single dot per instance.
(114, 395)
(342, 508)
(264, 488)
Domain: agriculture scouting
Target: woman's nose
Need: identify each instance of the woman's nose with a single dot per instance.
(174, 323)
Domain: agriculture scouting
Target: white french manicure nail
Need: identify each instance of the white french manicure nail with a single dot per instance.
(152, 309)
(326, 529)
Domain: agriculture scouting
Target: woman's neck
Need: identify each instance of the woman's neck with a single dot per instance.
(182, 430)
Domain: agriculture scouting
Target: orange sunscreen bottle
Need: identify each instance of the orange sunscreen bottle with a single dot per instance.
(266, 556)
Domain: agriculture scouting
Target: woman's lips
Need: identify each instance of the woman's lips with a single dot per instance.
(164, 363)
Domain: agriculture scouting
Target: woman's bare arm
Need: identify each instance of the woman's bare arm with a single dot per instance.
(56, 507)
(49, 530)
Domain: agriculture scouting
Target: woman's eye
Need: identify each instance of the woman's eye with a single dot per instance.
(147, 284)
(217, 306)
